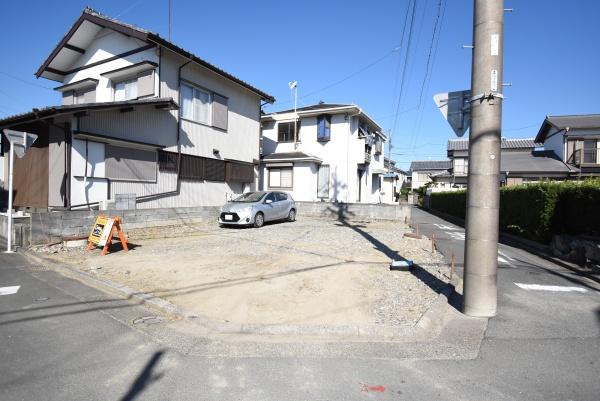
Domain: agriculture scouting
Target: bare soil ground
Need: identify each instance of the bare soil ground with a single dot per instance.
(312, 271)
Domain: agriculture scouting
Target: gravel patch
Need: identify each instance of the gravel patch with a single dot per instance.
(313, 271)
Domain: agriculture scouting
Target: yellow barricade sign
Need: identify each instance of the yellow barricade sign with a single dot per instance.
(103, 231)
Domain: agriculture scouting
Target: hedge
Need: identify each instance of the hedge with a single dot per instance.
(538, 211)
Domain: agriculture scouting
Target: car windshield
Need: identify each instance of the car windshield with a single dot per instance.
(250, 197)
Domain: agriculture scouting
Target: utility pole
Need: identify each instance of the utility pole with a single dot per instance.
(483, 191)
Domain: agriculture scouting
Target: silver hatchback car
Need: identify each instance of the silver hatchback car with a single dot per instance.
(256, 208)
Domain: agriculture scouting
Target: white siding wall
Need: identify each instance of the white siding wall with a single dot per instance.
(148, 125)
(343, 152)
(144, 124)
(241, 140)
(556, 144)
(107, 44)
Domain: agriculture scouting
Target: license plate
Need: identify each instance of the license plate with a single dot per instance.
(228, 217)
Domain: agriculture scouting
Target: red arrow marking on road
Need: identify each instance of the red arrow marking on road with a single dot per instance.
(366, 388)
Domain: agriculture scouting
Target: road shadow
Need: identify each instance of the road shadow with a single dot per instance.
(344, 215)
(145, 378)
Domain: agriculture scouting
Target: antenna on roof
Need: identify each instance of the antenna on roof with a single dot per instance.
(170, 6)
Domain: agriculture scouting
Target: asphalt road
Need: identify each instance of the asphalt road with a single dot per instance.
(63, 340)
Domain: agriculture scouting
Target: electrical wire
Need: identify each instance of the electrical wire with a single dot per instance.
(24, 81)
(417, 129)
(352, 75)
(406, 60)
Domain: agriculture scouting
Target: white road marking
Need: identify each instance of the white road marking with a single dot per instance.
(505, 255)
(444, 227)
(555, 288)
(457, 236)
(9, 290)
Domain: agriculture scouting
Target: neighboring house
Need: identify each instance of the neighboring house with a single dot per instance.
(422, 171)
(393, 180)
(575, 140)
(139, 116)
(519, 162)
(324, 152)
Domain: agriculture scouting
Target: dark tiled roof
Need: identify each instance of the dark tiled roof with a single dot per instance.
(422, 165)
(585, 121)
(289, 156)
(582, 121)
(314, 107)
(50, 111)
(148, 36)
(533, 162)
(506, 143)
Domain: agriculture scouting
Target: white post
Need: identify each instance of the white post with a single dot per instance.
(11, 158)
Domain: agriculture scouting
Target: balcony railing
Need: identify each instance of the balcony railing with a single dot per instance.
(584, 157)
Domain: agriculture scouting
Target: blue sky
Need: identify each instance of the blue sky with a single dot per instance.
(552, 56)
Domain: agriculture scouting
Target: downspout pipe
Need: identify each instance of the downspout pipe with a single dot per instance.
(178, 188)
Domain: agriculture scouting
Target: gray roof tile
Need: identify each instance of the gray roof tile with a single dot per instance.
(423, 165)
(507, 143)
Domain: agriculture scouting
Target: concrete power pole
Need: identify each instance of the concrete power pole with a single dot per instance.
(483, 193)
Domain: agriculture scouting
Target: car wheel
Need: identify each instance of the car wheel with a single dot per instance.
(292, 215)
(259, 220)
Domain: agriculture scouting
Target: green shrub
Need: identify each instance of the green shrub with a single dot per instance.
(538, 211)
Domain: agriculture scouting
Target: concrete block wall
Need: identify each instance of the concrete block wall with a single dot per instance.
(49, 227)
(20, 232)
(354, 211)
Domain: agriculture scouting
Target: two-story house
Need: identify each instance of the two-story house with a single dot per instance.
(521, 160)
(423, 171)
(575, 140)
(323, 152)
(139, 116)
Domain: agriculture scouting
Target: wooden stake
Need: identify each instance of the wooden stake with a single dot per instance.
(433, 242)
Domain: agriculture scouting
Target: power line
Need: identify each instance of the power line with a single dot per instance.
(435, 49)
(406, 59)
(397, 71)
(521, 128)
(352, 75)
(24, 81)
(435, 26)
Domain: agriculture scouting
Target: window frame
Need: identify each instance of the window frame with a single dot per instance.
(270, 169)
(210, 94)
(130, 79)
(326, 118)
(291, 132)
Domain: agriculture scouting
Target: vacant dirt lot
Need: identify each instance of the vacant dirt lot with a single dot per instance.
(309, 272)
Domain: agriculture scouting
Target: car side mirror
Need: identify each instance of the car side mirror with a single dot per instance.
(268, 201)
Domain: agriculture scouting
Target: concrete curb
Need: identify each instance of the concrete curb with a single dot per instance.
(429, 325)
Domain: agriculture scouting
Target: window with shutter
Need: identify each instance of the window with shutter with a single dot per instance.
(192, 168)
(195, 104)
(219, 111)
(281, 177)
(145, 84)
(167, 161)
(240, 172)
(214, 170)
(130, 164)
